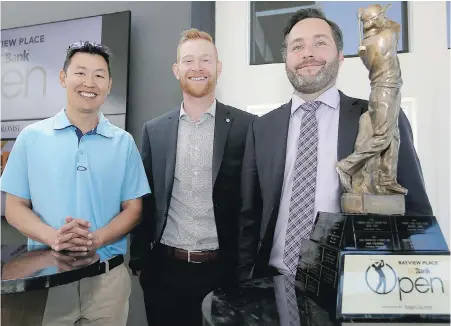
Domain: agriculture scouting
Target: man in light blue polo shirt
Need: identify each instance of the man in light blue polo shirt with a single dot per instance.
(74, 182)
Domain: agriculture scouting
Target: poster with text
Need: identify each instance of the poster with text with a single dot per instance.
(32, 58)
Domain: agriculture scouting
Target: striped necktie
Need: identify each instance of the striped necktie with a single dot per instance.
(302, 202)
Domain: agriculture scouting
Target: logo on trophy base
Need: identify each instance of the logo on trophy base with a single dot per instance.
(377, 276)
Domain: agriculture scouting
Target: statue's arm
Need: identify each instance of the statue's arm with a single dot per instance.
(394, 26)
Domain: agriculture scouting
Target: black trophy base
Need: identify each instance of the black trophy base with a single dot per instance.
(407, 244)
(379, 232)
(317, 272)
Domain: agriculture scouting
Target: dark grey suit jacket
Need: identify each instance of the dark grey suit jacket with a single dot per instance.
(159, 155)
(263, 171)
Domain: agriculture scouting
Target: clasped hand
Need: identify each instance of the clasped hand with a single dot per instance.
(75, 236)
(72, 260)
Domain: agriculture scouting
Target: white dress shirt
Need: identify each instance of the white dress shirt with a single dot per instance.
(327, 194)
(280, 292)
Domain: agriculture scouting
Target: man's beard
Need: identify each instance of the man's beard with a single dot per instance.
(194, 91)
(312, 84)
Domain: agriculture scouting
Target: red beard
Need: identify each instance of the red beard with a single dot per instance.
(194, 90)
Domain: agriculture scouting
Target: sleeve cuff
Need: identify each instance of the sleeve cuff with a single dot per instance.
(135, 265)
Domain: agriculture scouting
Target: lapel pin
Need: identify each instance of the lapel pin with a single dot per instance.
(227, 120)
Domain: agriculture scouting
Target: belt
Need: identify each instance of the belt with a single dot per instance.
(191, 256)
(108, 265)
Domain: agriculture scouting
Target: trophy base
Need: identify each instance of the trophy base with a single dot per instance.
(373, 204)
(341, 264)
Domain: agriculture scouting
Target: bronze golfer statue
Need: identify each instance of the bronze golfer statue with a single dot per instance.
(372, 168)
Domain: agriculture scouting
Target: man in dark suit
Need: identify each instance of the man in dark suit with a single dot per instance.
(186, 244)
(289, 165)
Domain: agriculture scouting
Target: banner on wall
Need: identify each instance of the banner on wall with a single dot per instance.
(32, 58)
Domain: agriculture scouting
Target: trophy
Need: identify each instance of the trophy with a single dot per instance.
(372, 261)
(368, 175)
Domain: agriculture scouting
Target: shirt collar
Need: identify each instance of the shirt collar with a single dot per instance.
(331, 98)
(211, 110)
(61, 121)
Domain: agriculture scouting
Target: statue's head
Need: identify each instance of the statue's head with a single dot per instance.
(373, 16)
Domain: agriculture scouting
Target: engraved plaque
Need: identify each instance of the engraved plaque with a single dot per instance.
(372, 224)
(303, 266)
(328, 276)
(338, 226)
(312, 286)
(334, 240)
(326, 225)
(413, 225)
(369, 240)
(319, 234)
(335, 233)
(302, 276)
(330, 258)
(315, 269)
(301, 272)
(310, 251)
(406, 244)
(420, 241)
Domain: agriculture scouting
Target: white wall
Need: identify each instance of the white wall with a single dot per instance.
(426, 89)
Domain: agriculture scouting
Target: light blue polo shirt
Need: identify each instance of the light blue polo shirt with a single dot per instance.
(84, 178)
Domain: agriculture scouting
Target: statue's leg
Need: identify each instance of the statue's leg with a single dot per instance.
(362, 180)
(389, 158)
(388, 169)
(378, 109)
(364, 133)
(369, 183)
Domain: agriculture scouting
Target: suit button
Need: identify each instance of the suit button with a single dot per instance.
(165, 213)
(216, 205)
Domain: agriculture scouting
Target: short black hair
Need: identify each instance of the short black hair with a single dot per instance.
(88, 47)
(311, 13)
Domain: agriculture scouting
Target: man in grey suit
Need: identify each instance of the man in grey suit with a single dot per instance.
(291, 152)
(186, 243)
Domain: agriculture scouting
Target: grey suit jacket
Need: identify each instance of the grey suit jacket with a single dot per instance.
(159, 154)
(263, 171)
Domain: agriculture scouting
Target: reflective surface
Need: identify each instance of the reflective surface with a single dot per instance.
(268, 301)
(379, 232)
(26, 268)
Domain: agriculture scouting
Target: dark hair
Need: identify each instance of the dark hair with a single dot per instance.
(311, 13)
(88, 47)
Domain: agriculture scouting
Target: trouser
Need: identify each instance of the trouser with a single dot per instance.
(174, 289)
(102, 300)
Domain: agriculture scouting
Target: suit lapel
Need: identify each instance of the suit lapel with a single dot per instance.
(348, 125)
(223, 121)
(279, 143)
(171, 150)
